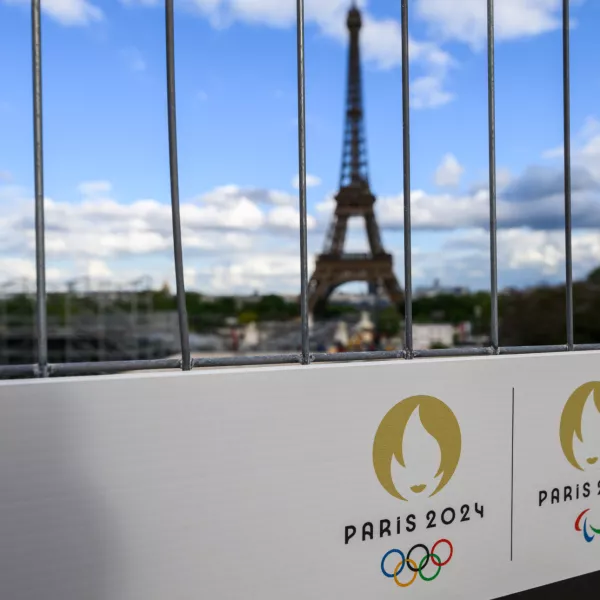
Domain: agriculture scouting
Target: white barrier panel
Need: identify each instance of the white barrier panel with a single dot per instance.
(377, 480)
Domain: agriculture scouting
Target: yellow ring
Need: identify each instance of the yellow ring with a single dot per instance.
(410, 561)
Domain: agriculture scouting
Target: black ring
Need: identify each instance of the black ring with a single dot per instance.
(421, 567)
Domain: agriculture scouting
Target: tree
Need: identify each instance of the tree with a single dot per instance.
(388, 322)
(247, 316)
(594, 276)
(276, 308)
(533, 317)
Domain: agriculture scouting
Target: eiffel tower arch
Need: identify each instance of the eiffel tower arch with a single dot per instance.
(334, 267)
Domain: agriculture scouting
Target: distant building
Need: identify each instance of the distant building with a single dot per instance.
(438, 290)
(251, 339)
(428, 335)
(360, 301)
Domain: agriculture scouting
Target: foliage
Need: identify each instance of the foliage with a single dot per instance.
(438, 346)
(447, 308)
(334, 311)
(594, 276)
(530, 317)
(247, 316)
(209, 313)
(533, 317)
(389, 321)
(276, 308)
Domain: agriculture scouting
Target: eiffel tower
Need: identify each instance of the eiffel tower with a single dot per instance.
(334, 267)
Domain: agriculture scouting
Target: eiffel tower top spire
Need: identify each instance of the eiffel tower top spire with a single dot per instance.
(354, 155)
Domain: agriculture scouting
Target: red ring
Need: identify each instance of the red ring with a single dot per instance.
(448, 559)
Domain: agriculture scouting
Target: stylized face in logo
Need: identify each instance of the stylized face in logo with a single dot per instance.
(580, 426)
(438, 421)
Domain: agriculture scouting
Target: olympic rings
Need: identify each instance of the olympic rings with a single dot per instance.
(406, 560)
(449, 557)
(426, 557)
(438, 569)
(401, 566)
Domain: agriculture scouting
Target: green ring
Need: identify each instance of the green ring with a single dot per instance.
(423, 560)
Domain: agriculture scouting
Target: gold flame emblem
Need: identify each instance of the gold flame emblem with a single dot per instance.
(437, 419)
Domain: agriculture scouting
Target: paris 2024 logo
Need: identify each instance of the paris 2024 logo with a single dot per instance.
(439, 422)
(409, 480)
(580, 442)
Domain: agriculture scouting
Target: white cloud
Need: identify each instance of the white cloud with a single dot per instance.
(542, 252)
(94, 188)
(18, 274)
(16, 268)
(503, 178)
(99, 227)
(428, 92)
(247, 236)
(67, 12)
(134, 59)
(590, 128)
(141, 2)
(435, 211)
(97, 269)
(240, 238)
(449, 173)
(534, 199)
(466, 20)
(585, 151)
(553, 152)
(260, 272)
(311, 181)
(286, 217)
(525, 257)
(381, 43)
(228, 194)
(381, 38)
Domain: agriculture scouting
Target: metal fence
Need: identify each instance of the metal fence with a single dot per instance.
(305, 357)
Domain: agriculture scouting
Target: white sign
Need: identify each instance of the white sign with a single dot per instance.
(468, 479)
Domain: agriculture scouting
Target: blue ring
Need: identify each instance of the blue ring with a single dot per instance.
(383, 563)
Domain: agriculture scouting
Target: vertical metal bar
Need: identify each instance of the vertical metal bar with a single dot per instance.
(408, 333)
(494, 334)
(38, 149)
(567, 142)
(186, 362)
(302, 183)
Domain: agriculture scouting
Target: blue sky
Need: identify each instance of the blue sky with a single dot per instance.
(106, 155)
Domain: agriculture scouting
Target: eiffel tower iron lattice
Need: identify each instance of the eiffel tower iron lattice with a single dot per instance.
(334, 267)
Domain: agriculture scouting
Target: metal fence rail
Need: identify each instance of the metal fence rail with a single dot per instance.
(174, 174)
(38, 150)
(566, 26)
(43, 369)
(494, 325)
